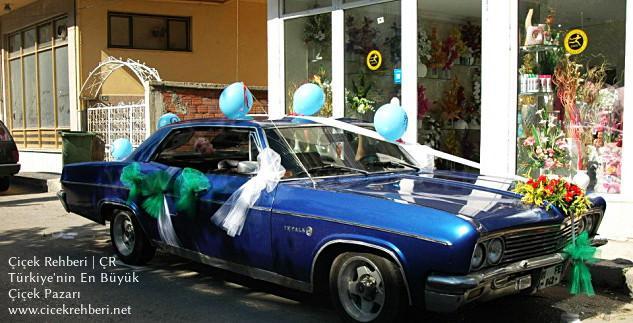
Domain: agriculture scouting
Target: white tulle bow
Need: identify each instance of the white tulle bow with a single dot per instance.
(232, 214)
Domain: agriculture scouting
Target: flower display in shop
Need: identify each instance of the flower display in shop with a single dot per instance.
(571, 201)
(450, 50)
(452, 101)
(459, 45)
(609, 170)
(360, 39)
(438, 57)
(317, 29)
(324, 83)
(471, 36)
(423, 102)
(393, 42)
(432, 132)
(545, 146)
(567, 79)
(477, 89)
(358, 98)
(424, 47)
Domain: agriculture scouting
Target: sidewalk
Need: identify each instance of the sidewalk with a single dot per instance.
(38, 182)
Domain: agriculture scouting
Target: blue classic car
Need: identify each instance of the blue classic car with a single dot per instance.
(353, 217)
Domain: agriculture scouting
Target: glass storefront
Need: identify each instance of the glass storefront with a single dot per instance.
(519, 103)
(449, 78)
(372, 58)
(308, 56)
(570, 90)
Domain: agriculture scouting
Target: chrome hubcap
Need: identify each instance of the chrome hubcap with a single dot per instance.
(361, 289)
(123, 234)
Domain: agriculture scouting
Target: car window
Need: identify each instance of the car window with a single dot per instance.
(208, 149)
(4, 133)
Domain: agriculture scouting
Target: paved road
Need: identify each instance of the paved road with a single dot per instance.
(174, 289)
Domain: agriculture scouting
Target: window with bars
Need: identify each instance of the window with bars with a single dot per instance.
(141, 31)
(39, 103)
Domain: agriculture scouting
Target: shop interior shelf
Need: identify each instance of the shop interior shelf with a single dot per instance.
(536, 93)
(538, 48)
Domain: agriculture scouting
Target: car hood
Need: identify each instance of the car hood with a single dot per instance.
(487, 200)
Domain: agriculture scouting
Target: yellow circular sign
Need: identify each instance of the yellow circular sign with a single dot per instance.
(374, 60)
(576, 41)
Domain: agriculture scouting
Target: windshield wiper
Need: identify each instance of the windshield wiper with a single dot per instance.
(336, 166)
(395, 163)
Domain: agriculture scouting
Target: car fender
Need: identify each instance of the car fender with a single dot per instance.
(379, 245)
(121, 204)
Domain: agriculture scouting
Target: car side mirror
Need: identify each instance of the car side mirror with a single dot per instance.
(247, 167)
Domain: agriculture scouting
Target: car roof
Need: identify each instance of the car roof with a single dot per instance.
(258, 122)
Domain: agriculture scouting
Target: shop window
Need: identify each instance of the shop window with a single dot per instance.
(308, 56)
(570, 103)
(449, 78)
(148, 32)
(39, 86)
(292, 6)
(372, 58)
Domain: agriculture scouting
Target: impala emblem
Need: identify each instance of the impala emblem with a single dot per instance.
(307, 230)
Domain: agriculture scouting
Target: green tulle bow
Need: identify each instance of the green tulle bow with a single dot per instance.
(153, 190)
(132, 178)
(581, 252)
(189, 183)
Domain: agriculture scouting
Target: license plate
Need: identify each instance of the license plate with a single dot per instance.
(550, 276)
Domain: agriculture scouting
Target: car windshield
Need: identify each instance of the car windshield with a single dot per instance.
(326, 151)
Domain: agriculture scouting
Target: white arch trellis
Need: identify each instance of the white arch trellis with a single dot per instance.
(124, 120)
(92, 86)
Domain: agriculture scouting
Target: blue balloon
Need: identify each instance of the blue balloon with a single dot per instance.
(121, 148)
(391, 121)
(167, 118)
(308, 99)
(236, 101)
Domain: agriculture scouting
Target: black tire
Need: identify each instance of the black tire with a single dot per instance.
(379, 275)
(128, 239)
(5, 182)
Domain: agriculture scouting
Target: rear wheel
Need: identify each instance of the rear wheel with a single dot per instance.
(128, 239)
(367, 288)
(5, 182)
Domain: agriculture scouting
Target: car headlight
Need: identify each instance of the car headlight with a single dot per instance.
(478, 256)
(495, 251)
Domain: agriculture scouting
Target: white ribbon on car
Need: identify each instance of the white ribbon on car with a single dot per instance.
(419, 152)
(165, 227)
(231, 216)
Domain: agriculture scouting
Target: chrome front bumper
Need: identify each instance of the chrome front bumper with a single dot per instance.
(445, 293)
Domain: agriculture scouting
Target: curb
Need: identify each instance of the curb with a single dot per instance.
(39, 184)
(615, 275)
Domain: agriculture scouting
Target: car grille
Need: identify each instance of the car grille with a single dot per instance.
(540, 241)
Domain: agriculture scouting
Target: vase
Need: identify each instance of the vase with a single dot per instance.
(460, 125)
(422, 70)
(581, 179)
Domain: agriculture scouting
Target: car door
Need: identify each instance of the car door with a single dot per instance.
(216, 151)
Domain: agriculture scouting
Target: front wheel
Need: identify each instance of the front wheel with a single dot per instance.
(367, 288)
(128, 239)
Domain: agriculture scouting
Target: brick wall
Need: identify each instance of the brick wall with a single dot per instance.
(195, 100)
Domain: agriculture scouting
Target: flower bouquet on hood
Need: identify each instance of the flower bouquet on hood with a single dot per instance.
(571, 201)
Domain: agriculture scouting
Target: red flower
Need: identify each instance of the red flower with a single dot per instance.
(542, 178)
